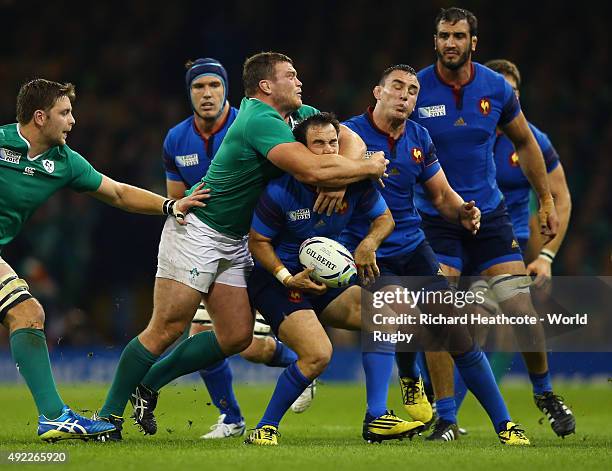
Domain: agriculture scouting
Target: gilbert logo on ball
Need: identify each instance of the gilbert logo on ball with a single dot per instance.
(333, 264)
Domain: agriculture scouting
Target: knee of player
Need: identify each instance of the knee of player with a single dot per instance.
(318, 359)
(237, 342)
(17, 306)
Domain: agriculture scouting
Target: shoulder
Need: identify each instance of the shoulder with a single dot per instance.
(179, 130)
(356, 122)
(415, 131)
(67, 152)
(489, 78)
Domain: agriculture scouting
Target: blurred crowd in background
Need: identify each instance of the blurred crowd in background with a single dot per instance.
(93, 266)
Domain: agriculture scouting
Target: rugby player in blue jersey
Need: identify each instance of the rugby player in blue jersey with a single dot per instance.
(188, 149)
(406, 253)
(462, 103)
(296, 307)
(516, 189)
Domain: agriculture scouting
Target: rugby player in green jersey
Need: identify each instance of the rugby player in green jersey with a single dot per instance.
(209, 258)
(35, 162)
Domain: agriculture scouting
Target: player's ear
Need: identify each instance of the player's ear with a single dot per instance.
(377, 92)
(39, 117)
(434, 40)
(474, 41)
(264, 86)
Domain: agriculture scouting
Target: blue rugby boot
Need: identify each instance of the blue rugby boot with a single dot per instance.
(72, 425)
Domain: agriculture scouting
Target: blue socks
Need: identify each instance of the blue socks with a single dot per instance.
(378, 367)
(541, 382)
(476, 372)
(446, 409)
(218, 380)
(407, 365)
(283, 355)
(291, 383)
(461, 389)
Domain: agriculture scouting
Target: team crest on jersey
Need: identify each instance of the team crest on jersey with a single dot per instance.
(298, 214)
(187, 160)
(417, 155)
(432, 111)
(295, 296)
(9, 155)
(514, 160)
(484, 105)
(48, 165)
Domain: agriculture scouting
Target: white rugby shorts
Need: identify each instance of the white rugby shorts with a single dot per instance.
(198, 256)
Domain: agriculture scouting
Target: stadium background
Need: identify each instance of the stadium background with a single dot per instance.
(93, 266)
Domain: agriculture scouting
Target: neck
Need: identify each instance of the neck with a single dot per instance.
(457, 77)
(207, 127)
(32, 135)
(268, 100)
(393, 127)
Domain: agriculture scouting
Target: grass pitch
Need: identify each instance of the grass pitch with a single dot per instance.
(327, 436)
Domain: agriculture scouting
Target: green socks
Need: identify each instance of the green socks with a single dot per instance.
(29, 350)
(134, 363)
(193, 354)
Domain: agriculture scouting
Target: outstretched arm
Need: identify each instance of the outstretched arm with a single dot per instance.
(136, 200)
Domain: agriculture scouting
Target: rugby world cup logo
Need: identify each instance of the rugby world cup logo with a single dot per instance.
(485, 106)
(417, 155)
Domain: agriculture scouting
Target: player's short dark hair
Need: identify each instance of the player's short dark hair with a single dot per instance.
(404, 67)
(40, 94)
(505, 67)
(453, 14)
(319, 119)
(260, 67)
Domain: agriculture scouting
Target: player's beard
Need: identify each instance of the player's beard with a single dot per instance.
(463, 58)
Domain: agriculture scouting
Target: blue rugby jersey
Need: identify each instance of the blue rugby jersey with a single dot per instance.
(284, 214)
(187, 154)
(462, 123)
(412, 159)
(513, 183)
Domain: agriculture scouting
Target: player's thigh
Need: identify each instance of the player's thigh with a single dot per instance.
(201, 321)
(232, 316)
(305, 335)
(174, 304)
(344, 312)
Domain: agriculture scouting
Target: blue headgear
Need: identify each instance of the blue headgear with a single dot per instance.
(203, 67)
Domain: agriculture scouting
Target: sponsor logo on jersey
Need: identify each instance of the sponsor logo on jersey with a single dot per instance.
(515, 244)
(9, 155)
(29, 171)
(295, 296)
(484, 105)
(343, 208)
(394, 171)
(417, 155)
(48, 165)
(432, 111)
(187, 160)
(298, 214)
(460, 122)
(514, 160)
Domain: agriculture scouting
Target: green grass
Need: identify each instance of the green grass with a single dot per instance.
(327, 436)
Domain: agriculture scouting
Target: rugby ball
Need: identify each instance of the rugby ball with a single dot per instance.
(333, 264)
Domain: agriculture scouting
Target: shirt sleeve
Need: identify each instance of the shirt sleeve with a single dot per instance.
(371, 202)
(84, 176)
(172, 172)
(265, 131)
(511, 106)
(269, 217)
(430, 165)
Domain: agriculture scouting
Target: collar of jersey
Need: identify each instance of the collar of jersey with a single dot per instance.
(31, 159)
(444, 82)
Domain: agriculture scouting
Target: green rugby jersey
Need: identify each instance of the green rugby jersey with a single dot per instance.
(27, 182)
(240, 169)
